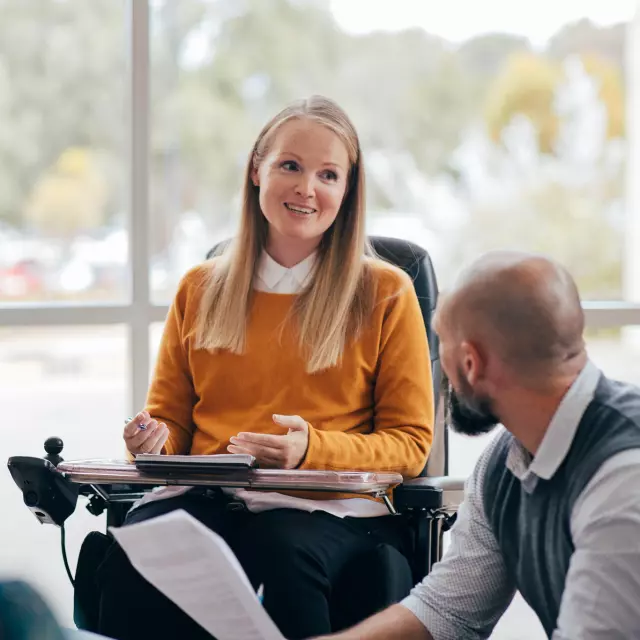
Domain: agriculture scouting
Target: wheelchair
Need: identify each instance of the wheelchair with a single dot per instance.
(428, 504)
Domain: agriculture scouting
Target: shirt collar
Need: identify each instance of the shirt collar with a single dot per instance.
(561, 430)
(272, 273)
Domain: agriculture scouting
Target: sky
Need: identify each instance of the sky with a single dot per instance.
(458, 20)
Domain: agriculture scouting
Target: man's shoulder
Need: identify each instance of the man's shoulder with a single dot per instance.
(622, 397)
(494, 454)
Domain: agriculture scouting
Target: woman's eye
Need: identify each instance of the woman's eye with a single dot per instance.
(329, 175)
(290, 165)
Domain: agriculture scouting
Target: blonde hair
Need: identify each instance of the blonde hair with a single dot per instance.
(340, 295)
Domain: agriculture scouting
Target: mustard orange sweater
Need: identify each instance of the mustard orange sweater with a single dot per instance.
(372, 412)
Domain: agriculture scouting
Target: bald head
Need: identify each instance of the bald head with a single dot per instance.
(523, 307)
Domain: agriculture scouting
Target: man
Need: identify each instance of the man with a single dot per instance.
(552, 508)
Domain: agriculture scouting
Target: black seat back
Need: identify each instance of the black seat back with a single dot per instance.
(415, 261)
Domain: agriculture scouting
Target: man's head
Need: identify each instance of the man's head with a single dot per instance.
(512, 320)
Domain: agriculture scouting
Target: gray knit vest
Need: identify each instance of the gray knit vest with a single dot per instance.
(533, 529)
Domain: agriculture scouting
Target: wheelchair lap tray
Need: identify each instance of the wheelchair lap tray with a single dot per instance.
(197, 464)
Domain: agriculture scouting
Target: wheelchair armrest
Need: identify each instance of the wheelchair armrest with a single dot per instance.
(437, 492)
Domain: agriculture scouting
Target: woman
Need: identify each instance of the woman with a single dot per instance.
(298, 347)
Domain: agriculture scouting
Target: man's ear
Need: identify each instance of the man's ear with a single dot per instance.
(474, 362)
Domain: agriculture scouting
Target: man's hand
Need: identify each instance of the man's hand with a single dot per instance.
(394, 623)
(278, 452)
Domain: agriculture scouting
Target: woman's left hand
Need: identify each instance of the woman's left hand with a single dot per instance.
(279, 452)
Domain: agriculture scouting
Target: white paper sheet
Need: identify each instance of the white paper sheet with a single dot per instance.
(195, 568)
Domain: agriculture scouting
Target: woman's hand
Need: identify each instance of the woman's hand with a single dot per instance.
(279, 452)
(144, 435)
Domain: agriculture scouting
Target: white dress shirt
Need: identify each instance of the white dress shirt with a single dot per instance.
(272, 277)
(468, 591)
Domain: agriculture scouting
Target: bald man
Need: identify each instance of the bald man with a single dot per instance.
(552, 508)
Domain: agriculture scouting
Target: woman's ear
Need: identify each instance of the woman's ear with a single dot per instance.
(255, 178)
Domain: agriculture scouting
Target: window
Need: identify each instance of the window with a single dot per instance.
(68, 382)
(63, 162)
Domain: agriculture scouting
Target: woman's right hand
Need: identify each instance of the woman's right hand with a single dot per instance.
(144, 435)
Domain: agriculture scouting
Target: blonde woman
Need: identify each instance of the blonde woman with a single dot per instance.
(299, 347)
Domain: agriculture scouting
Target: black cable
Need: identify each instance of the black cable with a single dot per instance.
(64, 555)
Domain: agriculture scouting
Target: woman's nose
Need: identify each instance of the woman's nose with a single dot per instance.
(304, 187)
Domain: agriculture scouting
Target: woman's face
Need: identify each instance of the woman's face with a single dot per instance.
(303, 181)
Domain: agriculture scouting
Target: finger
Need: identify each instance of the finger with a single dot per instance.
(142, 434)
(162, 441)
(295, 423)
(135, 442)
(255, 450)
(262, 439)
(264, 459)
(133, 427)
(239, 450)
(151, 442)
(139, 422)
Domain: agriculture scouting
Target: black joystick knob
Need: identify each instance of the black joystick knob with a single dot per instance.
(53, 446)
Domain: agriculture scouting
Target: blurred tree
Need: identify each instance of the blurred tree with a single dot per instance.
(62, 83)
(571, 224)
(564, 199)
(70, 197)
(585, 37)
(526, 86)
(611, 92)
(435, 111)
(483, 56)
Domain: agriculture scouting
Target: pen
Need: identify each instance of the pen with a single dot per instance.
(140, 426)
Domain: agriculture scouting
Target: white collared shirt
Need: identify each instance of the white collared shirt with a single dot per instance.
(468, 591)
(273, 277)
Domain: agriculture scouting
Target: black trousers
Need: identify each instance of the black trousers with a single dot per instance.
(302, 559)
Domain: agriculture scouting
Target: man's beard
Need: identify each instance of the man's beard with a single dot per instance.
(471, 415)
